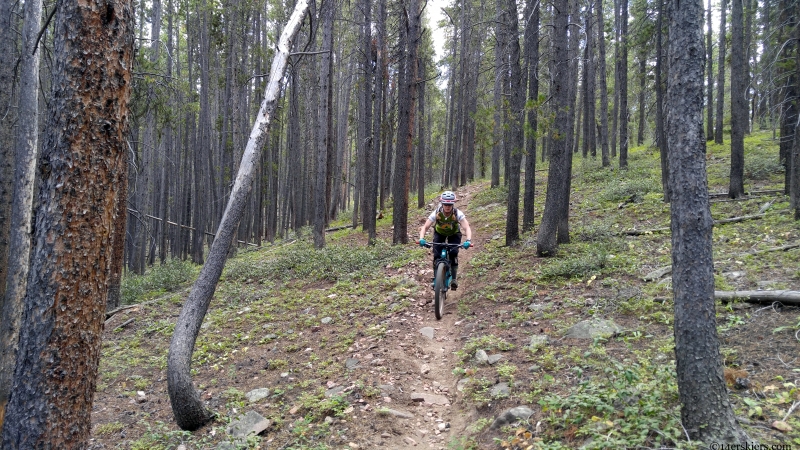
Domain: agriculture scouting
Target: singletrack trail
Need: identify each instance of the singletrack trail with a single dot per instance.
(424, 358)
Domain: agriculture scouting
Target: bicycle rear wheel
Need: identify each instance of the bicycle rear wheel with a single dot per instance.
(440, 291)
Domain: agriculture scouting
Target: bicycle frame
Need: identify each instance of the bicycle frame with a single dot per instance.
(443, 258)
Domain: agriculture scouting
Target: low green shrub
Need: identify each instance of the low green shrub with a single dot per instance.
(159, 279)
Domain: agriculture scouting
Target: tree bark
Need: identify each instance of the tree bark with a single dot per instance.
(186, 404)
(623, 85)
(709, 76)
(706, 411)
(720, 74)
(421, 163)
(546, 242)
(661, 136)
(324, 119)
(601, 40)
(409, 38)
(532, 16)
(8, 117)
(497, 142)
(515, 143)
(79, 192)
(738, 100)
(27, 149)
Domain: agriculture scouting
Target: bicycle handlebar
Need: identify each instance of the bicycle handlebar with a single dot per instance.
(444, 244)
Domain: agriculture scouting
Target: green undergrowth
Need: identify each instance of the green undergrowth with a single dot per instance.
(158, 280)
(630, 404)
(301, 260)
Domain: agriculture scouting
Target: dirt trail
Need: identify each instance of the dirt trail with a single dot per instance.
(429, 363)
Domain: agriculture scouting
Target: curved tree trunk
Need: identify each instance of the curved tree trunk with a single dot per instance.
(186, 404)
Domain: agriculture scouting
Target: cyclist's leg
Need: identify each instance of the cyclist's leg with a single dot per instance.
(453, 255)
(437, 249)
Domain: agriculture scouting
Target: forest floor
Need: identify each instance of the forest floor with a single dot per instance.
(347, 345)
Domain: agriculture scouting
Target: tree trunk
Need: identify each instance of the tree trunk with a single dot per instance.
(324, 119)
(661, 136)
(409, 37)
(189, 411)
(85, 148)
(497, 141)
(590, 117)
(371, 156)
(601, 40)
(709, 76)
(421, 163)
(738, 101)
(706, 411)
(515, 143)
(615, 110)
(623, 85)
(794, 194)
(642, 87)
(546, 242)
(532, 14)
(8, 118)
(720, 74)
(27, 149)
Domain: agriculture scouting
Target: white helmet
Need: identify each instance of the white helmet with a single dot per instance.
(448, 198)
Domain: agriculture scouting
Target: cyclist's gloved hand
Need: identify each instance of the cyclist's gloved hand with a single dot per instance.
(423, 242)
(466, 244)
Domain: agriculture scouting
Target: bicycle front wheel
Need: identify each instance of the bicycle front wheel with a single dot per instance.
(440, 291)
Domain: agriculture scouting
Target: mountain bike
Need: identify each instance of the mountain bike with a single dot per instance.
(442, 277)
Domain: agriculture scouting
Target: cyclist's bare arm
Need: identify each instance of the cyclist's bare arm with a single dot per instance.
(424, 228)
(465, 227)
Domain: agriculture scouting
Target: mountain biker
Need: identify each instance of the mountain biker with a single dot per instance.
(449, 224)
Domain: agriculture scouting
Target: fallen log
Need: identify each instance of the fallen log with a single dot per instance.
(749, 194)
(785, 297)
(328, 230)
(772, 249)
(716, 222)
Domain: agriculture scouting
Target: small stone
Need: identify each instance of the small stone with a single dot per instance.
(430, 398)
(334, 391)
(428, 332)
(781, 426)
(395, 413)
(500, 390)
(511, 416)
(481, 357)
(257, 394)
(326, 320)
(351, 363)
(249, 423)
(494, 358)
(410, 441)
(425, 369)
